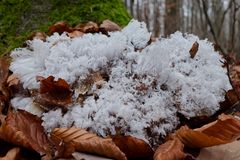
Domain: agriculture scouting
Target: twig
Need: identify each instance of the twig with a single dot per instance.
(211, 28)
(235, 9)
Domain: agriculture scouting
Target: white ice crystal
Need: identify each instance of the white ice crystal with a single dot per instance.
(145, 90)
(27, 104)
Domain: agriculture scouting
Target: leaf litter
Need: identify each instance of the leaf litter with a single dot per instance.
(115, 84)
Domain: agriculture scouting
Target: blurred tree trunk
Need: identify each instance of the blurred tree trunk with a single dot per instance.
(171, 17)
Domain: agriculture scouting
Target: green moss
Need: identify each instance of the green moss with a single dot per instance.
(18, 18)
(10, 19)
(89, 10)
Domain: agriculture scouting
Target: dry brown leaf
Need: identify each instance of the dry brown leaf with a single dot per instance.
(59, 27)
(13, 80)
(4, 68)
(234, 74)
(85, 85)
(224, 130)
(75, 33)
(109, 26)
(11, 154)
(228, 151)
(133, 148)
(84, 141)
(53, 93)
(83, 156)
(38, 35)
(89, 27)
(4, 91)
(4, 65)
(194, 49)
(170, 150)
(24, 129)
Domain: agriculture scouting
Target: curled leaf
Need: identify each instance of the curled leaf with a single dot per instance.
(75, 33)
(133, 148)
(84, 141)
(11, 154)
(109, 26)
(13, 80)
(59, 27)
(228, 151)
(234, 74)
(89, 27)
(4, 91)
(224, 130)
(194, 49)
(78, 155)
(54, 93)
(170, 150)
(38, 35)
(24, 129)
(4, 66)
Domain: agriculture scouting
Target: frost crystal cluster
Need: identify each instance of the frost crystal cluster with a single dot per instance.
(148, 84)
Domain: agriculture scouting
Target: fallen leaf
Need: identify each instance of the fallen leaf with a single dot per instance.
(82, 156)
(86, 84)
(170, 150)
(4, 68)
(234, 74)
(228, 151)
(11, 154)
(236, 68)
(109, 26)
(133, 148)
(24, 129)
(38, 35)
(89, 27)
(59, 27)
(13, 80)
(53, 93)
(4, 91)
(84, 141)
(194, 49)
(75, 33)
(224, 130)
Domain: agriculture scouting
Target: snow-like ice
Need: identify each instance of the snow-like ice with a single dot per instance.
(148, 84)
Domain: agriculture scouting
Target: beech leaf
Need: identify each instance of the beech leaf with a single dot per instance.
(109, 26)
(53, 93)
(224, 130)
(170, 150)
(13, 80)
(89, 27)
(38, 35)
(11, 154)
(24, 129)
(59, 27)
(78, 156)
(4, 90)
(228, 151)
(194, 49)
(133, 148)
(75, 33)
(84, 141)
(4, 66)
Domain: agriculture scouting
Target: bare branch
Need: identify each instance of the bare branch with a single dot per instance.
(235, 9)
(211, 27)
(223, 17)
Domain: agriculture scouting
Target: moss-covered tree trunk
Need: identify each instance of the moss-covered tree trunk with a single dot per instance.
(18, 18)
